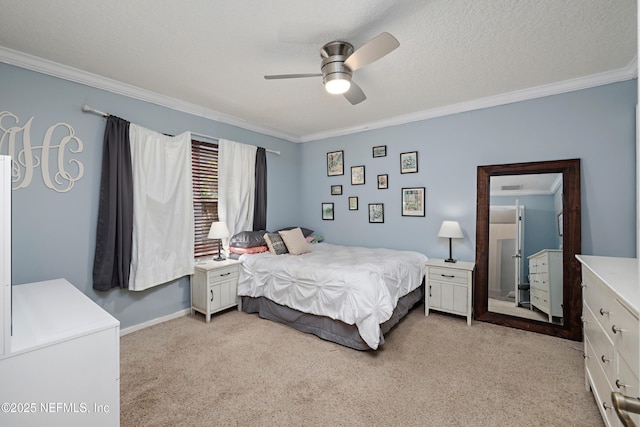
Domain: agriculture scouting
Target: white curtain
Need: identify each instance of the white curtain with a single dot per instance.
(236, 185)
(163, 224)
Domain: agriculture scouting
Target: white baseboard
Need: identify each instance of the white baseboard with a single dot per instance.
(155, 321)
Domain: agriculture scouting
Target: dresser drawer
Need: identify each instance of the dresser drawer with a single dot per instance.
(627, 380)
(601, 343)
(598, 297)
(231, 272)
(540, 298)
(448, 275)
(600, 386)
(625, 337)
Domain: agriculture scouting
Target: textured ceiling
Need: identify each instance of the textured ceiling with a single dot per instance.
(213, 54)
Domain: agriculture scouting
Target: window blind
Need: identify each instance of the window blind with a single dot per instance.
(204, 165)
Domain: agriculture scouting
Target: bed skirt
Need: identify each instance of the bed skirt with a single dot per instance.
(325, 327)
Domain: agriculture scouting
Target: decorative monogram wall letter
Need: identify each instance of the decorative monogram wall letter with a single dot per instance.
(24, 159)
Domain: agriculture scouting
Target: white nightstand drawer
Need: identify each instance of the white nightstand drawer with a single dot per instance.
(225, 273)
(448, 275)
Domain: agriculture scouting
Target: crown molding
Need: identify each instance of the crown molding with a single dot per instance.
(615, 76)
(65, 72)
(44, 66)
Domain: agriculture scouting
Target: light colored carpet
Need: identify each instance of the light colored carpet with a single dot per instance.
(432, 371)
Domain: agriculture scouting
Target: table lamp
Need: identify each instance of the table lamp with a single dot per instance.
(450, 230)
(218, 231)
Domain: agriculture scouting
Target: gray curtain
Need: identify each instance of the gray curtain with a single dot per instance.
(115, 211)
(260, 201)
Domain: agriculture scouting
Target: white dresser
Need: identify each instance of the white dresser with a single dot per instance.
(545, 279)
(610, 313)
(63, 367)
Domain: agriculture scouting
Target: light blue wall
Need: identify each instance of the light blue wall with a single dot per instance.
(596, 125)
(54, 233)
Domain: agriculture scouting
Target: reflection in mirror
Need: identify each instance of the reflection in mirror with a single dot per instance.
(520, 288)
(525, 246)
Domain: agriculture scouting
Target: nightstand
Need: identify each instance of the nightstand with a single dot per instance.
(448, 287)
(214, 287)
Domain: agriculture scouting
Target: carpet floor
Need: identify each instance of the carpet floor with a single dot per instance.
(432, 371)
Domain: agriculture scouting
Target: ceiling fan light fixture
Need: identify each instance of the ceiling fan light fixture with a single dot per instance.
(337, 83)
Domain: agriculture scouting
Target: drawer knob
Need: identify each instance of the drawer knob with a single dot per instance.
(585, 356)
(606, 406)
(619, 384)
(616, 330)
(603, 311)
(225, 274)
(211, 295)
(604, 359)
(583, 285)
(447, 276)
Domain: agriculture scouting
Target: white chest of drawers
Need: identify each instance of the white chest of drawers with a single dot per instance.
(449, 287)
(63, 367)
(611, 308)
(214, 287)
(545, 278)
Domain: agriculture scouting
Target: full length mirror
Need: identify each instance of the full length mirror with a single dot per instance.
(527, 235)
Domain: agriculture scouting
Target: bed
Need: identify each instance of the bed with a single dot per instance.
(345, 294)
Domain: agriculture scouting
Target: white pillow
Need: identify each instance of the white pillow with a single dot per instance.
(295, 241)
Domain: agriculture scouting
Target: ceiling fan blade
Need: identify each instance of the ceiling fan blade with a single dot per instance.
(291, 76)
(374, 49)
(355, 95)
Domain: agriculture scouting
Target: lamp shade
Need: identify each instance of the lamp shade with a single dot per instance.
(218, 230)
(450, 229)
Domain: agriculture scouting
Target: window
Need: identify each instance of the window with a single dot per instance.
(204, 165)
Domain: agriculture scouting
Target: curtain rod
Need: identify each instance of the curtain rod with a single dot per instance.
(88, 109)
(201, 135)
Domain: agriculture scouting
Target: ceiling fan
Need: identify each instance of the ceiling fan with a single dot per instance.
(339, 61)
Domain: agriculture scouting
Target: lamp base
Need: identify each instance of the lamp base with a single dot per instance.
(450, 260)
(219, 257)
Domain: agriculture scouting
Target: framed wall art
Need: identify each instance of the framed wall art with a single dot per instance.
(376, 212)
(336, 190)
(413, 201)
(380, 151)
(353, 203)
(335, 163)
(357, 175)
(409, 162)
(560, 219)
(327, 211)
(383, 181)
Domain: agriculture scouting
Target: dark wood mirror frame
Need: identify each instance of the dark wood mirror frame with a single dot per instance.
(571, 245)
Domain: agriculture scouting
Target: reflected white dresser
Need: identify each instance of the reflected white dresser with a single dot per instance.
(545, 279)
(610, 313)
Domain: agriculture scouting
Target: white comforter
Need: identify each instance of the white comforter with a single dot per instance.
(359, 286)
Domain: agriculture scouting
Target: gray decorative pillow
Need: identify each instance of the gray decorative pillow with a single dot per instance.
(248, 239)
(275, 243)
